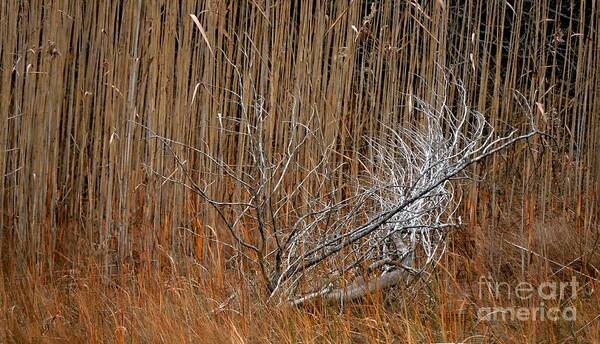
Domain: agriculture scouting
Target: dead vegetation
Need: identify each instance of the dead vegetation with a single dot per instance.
(110, 110)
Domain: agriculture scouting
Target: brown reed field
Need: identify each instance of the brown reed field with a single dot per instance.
(109, 107)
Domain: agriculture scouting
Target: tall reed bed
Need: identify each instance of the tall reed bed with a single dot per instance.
(86, 87)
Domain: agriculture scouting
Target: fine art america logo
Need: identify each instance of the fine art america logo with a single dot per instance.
(552, 296)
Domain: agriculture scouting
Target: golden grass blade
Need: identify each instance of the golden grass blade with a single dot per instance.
(202, 32)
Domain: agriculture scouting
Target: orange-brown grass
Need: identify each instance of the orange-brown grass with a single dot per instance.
(193, 304)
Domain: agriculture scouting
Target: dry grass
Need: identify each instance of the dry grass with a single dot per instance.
(82, 305)
(97, 248)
